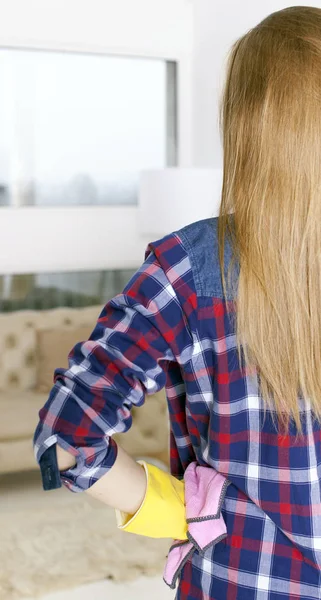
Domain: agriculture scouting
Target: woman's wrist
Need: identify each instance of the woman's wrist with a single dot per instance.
(124, 485)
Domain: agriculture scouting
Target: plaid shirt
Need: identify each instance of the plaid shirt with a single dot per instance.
(170, 328)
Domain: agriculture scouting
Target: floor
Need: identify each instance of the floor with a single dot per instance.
(13, 489)
(145, 589)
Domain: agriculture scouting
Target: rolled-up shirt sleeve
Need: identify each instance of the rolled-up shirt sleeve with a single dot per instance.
(125, 359)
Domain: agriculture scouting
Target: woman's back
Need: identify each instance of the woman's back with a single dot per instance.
(272, 504)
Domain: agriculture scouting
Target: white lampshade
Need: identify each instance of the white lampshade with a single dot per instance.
(172, 198)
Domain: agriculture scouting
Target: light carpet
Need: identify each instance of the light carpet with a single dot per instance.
(57, 540)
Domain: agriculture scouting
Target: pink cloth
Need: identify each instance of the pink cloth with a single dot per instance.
(205, 490)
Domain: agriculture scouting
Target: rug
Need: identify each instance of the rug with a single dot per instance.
(57, 540)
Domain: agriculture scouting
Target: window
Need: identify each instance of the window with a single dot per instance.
(53, 290)
(76, 129)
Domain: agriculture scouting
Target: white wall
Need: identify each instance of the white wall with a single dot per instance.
(216, 26)
(153, 24)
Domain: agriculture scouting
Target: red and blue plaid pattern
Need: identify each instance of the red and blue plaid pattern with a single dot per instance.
(170, 328)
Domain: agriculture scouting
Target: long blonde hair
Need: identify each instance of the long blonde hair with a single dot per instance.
(271, 123)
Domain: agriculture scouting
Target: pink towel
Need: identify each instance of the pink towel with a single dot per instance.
(204, 494)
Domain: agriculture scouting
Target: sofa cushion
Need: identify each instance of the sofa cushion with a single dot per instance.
(18, 352)
(53, 346)
(19, 414)
(17, 455)
(17, 355)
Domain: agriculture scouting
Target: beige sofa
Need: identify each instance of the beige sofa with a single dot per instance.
(33, 344)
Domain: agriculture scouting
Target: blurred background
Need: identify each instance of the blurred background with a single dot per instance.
(109, 138)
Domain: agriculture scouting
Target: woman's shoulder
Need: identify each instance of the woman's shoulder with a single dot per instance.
(194, 250)
(201, 241)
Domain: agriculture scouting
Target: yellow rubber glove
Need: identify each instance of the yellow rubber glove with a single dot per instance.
(162, 513)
